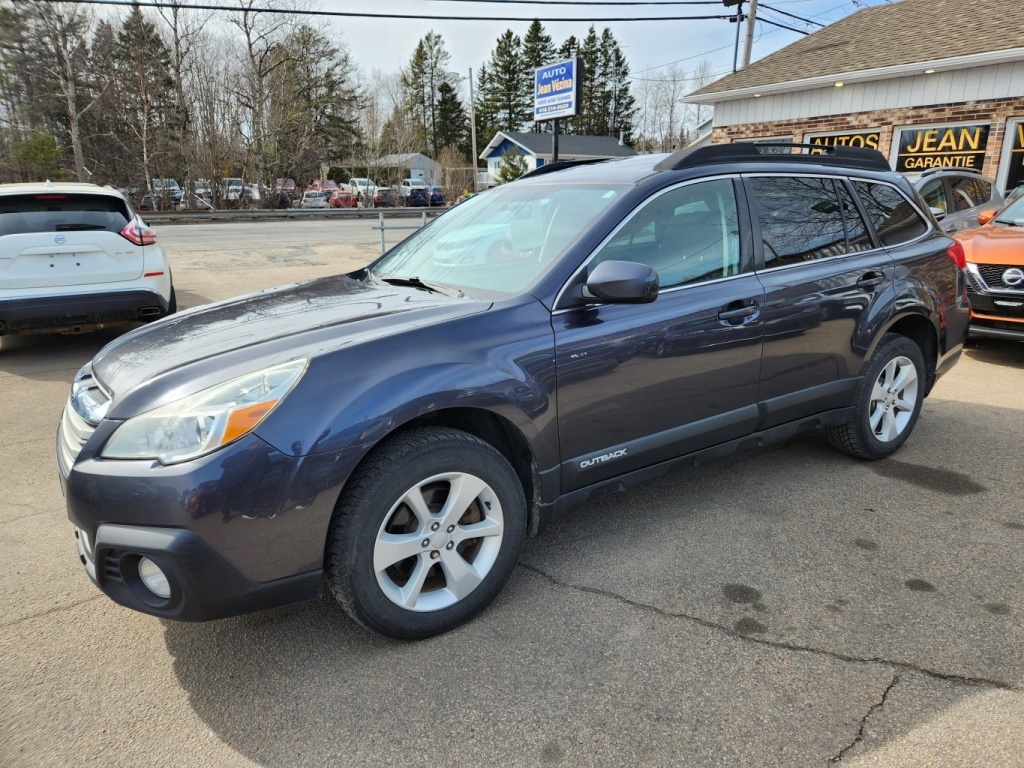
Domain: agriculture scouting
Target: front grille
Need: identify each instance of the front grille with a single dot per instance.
(992, 274)
(73, 434)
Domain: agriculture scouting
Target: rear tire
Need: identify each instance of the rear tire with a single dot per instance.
(426, 533)
(887, 401)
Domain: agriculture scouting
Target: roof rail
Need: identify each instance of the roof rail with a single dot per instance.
(958, 169)
(857, 157)
(561, 165)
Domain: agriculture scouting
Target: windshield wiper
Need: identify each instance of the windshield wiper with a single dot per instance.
(1007, 222)
(444, 290)
(78, 227)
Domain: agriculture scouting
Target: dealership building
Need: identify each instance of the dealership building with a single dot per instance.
(929, 83)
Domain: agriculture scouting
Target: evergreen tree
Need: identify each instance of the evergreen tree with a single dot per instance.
(421, 81)
(538, 50)
(513, 165)
(503, 100)
(146, 92)
(452, 121)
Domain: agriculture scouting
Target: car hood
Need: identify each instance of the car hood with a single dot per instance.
(200, 347)
(994, 244)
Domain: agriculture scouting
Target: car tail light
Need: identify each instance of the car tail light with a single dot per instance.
(956, 254)
(138, 234)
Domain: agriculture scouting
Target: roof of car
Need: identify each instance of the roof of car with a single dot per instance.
(63, 187)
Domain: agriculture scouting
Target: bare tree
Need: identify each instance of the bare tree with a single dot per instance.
(64, 30)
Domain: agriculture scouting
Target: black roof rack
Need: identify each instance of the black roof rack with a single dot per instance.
(958, 169)
(561, 165)
(857, 157)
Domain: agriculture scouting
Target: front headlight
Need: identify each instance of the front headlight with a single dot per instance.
(208, 420)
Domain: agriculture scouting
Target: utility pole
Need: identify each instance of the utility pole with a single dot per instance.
(472, 126)
(749, 42)
(738, 18)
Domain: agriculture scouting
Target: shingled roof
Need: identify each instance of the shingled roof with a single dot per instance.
(889, 35)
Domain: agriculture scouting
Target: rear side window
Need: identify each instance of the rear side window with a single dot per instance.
(61, 213)
(895, 219)
(801, 219)
(971, 192)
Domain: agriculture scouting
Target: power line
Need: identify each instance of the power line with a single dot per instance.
(584, 2)
(362, 15)
(783, 26)
(792, 15)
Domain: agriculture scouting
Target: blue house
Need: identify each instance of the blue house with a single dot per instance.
(536, 149)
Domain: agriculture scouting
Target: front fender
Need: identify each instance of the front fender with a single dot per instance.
(501, 361)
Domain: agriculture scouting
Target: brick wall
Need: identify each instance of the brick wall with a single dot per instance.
(994, 111)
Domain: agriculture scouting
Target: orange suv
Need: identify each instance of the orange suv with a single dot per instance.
(995, 271)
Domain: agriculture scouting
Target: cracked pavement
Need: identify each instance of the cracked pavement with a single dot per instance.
(786, 607)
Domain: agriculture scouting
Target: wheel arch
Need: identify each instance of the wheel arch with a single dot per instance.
(921, 330)
(495, 430)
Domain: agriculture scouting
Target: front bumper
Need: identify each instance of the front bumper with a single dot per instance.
(241, 529)
(997, 315)
(203, 585)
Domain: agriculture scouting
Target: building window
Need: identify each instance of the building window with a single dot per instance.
(960, 145)
(1011, 169)
(769, 140)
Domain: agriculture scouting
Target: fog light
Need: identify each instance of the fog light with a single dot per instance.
(154, 578)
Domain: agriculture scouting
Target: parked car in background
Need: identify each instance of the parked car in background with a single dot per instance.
(959, 193)
(397, 431)
(342, 198)
(436, 196)
(384, 197)
(75, 257)
(168, 190)
(995, 269)
(285, 185)
(314, 198)
(417, 197)
(363, 189)
(408, 185)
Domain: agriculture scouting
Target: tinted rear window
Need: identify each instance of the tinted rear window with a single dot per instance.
(895, 219)
(61, 213)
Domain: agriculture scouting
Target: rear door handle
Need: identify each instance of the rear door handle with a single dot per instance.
(870, 280)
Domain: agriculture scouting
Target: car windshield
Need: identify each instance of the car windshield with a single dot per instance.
(1013, 213)
(500, 242)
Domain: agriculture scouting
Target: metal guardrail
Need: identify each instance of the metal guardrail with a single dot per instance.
(289, 213)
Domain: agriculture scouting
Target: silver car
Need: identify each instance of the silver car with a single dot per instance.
(958, 193)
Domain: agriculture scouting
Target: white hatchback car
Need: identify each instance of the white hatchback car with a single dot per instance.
(75, 257)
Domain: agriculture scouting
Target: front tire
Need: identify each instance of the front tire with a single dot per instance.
(426, 533)
(887, 402)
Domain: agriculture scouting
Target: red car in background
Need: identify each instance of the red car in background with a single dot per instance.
(342, 198)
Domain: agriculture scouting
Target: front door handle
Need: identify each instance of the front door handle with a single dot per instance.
(738, 314)
(870, 280)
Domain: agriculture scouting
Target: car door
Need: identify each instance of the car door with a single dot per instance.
(642, 383)
(825, 280)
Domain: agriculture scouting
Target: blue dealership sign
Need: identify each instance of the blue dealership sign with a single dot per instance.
(556, 90)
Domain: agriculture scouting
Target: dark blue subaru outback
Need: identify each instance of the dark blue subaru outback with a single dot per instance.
(396, 432)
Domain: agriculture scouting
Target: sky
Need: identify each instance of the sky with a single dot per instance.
(386, 45)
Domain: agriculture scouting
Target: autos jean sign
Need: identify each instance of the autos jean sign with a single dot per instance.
(868, 139)
(949, 146)
(556, 89)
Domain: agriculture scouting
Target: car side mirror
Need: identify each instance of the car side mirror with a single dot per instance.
(984, 217)
(623, 282)
(938, 213)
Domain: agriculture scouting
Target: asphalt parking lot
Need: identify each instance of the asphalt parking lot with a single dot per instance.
(786, 607)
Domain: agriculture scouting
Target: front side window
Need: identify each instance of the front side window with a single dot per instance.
(687, 235)
(801, 219)
(895, 219)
